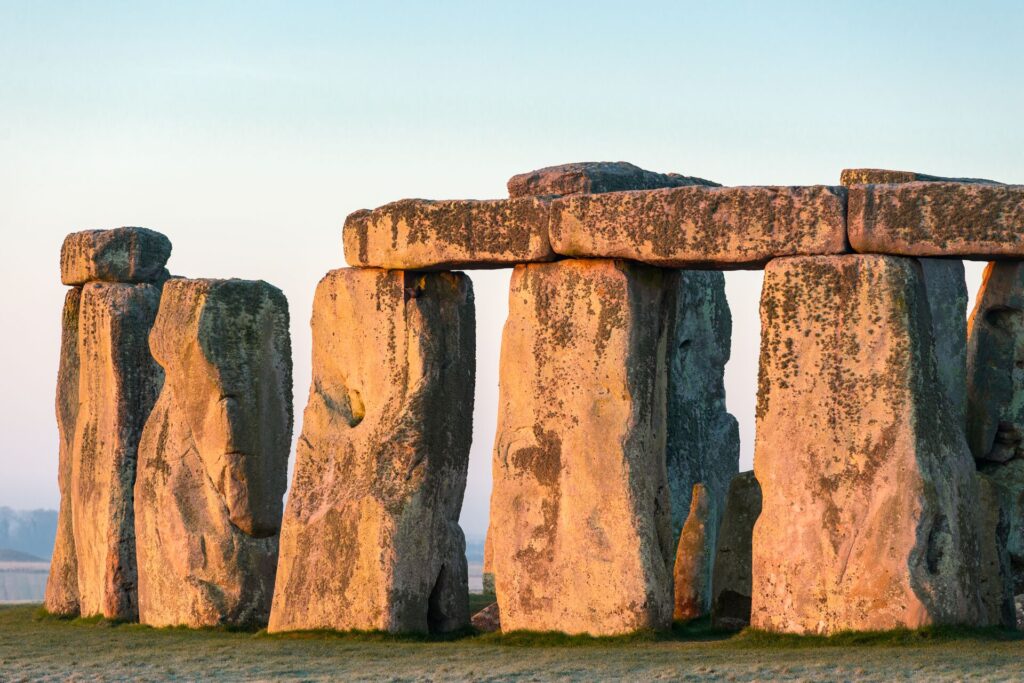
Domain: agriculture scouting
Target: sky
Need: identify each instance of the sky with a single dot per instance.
(247, 131)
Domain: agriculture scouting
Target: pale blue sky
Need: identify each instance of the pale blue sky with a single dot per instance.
(246, 131)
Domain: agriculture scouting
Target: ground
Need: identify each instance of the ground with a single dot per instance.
(34, 646)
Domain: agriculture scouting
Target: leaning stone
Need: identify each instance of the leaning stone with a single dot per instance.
(443, 235)
(371, 538)
(880, 176)
(118, 385)
(118, 255)
(595, 177)
(62, 582)
(487, 620)
(702, 227)
(213, 458)
(580, 521)
(692, 567)
(996, 577)
(731, 579)
(863, 470)
(703, 443)
(966, 220)
(995, 356)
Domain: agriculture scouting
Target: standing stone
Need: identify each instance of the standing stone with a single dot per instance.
(488, 568)
(693, 566)
(119, 255)
(703, 443)
(213, 457)
(869, 516)
(580, 521)
(1008, 480)
(371, 538)
(591, 177)
(731, 579)
(62, 582)
(996, 578)
(118, 385)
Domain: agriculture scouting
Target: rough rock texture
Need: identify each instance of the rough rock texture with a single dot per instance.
(968, 220)
(996, 578)
(703, 443)
(863, 470)
(371, 538)
(693, 567)
(995, 365)
(62, 582)
(1008, 480)
(731, 579)
(442, 235)
(723, 227)
(880, 176)
(213, 458)
(580, 521)
(488, 568)
(487, 620)
(946, 286)
(118, 255)
(595, 177)
(118, 384)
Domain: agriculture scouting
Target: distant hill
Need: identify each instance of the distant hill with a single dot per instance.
(8, 555)
(28, 531)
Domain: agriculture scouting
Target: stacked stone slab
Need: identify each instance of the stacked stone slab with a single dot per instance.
(370, 538)
(213, 456)
(863, 470)
(107, 385)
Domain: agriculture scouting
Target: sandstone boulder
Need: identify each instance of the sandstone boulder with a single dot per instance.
(1008, 480)
(731, 579)
(863, 470)
(119, 255)
(442, 235)
(693, 568)
(371, 538)
(595, 177)
(62, 582)
(967, 220)
(880, 176)
(213, 457)
(996, 581)
(118, 385)
(488, 568)
(580, 520)
(702, 227)
(487, 620)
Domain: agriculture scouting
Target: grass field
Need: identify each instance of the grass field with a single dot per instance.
(34, 646)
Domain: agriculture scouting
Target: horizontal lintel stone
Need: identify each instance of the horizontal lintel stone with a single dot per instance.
(130, 255)
(594, 177)
(881, 176)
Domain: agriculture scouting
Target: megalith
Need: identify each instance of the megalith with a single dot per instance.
(213, 456)
(731, 578)
(371, 538)
(591, 177)
(692, 569)
(995, 581)
(62, 582)
(580, 518)
(118, 385)
(869, 516)
(119, 255)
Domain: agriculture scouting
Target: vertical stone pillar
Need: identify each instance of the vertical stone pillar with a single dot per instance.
(731, 580)
(371, 538)
(213, 456)
(692, 576)
(869, 514)
(580, 519)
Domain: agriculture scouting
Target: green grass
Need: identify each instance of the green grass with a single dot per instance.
(36, 646)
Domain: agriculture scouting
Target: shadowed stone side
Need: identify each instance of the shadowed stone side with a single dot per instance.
(62, 582)
(580, 520)
(996, 578)
(213, 457)
(118, 385)
(119, 255)
(702, 227)
(863, 471)
(446, 234)
(731, 579)
(966, 220)
(371, 538)
(595, 177)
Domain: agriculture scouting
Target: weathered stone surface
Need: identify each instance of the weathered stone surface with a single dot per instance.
(946, 286)
(968, 220)
(995, 365)
(488, 568)
(693, 567)
(118, 385)
(731, 579)
(371, 537)
(862, 468)
(62, 582)
(580, 523)
(595, 177)
(1008, 480)
(119, 255)
(690, 227)
(703, 443)
(487, 620)
(213, 457)
(881, 176)
(446, 234)
(996, 575)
